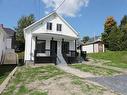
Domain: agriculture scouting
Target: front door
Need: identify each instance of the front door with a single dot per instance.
(53, 48)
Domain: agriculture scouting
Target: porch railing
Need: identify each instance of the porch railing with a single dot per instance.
(47, 53)
(42, 53)
(71, 55)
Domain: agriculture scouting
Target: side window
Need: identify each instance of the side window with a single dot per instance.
(59, 27)
(49, 26)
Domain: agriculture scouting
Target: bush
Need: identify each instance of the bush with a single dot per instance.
(21, 58)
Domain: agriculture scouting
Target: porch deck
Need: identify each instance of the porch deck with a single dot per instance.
(40, 57)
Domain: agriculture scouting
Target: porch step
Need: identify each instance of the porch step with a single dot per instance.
(43, 60)
(61, 60)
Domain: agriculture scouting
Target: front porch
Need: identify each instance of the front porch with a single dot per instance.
(48, 49)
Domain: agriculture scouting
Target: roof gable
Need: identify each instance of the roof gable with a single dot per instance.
(53, 13)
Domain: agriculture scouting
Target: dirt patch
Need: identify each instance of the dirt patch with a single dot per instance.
(64, 85)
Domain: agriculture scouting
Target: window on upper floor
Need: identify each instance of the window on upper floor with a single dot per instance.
(59, 27)
(49, 26)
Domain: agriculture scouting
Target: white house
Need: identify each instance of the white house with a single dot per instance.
(94, 46)
(7, 41)
(10, 38)
(51, 39)
(3, 41)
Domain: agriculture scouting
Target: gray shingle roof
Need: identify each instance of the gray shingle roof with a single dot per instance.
(9, 31)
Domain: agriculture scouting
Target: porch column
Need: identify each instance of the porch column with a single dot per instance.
(75, 46)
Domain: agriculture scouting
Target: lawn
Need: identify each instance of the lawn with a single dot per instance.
(95, 70)
(4, 71)
(117, 58)
(48, 80)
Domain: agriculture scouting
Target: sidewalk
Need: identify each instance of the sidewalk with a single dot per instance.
(74, 71)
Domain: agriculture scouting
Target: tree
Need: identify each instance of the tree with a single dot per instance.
(123, 24)
(23, 23)
(115, 40)
(124, 41)
(123, 29)
(110, 23)
(85, 39)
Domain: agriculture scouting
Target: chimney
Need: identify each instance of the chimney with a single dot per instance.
(1, 26)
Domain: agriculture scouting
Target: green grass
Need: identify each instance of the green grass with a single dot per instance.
(42, 73)
(88, 89)
(95, 70)
(4, 71)
(27, 74)
(117, 58)
(38, 93)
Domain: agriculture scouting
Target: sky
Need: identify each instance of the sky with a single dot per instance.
(86, 16)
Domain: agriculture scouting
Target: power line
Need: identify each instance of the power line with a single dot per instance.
(37, 7)
(60, 5)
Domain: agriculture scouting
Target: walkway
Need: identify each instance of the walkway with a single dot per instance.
(74, 71)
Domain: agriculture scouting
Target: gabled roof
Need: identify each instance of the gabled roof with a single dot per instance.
(50, 15)
(9, 31)
(93, 42)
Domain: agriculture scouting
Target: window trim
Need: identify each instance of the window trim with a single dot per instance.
(59, 27)
(49, 26)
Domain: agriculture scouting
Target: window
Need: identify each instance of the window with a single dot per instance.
(65, 47)
(59, 27)
(40, 46)
(49, 26)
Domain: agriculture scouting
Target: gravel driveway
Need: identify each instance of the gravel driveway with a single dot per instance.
(116, 83)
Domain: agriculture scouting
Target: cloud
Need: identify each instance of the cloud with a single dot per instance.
(68, 8)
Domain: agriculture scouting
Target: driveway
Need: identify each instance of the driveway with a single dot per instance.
(116, 83)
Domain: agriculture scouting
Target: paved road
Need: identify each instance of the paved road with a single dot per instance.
(116, 83)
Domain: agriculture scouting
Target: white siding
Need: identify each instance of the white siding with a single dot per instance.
(28, 47)
(9, 42)
(92, 48)
(41, 28)
(72, 45)
(33, 47)
(96, 48)
(2, 43)
(88, 48)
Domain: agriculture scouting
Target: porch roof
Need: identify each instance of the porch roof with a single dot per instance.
(54, 35)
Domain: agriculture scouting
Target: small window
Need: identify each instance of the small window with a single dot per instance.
(49, 26)
(59, 27)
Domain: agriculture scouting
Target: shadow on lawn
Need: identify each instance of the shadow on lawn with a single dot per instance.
(5, 70)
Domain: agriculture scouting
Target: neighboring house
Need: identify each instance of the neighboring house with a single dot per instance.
(50, 40)
(3, 41)
(94, 46)
(10, 38)
(7, 39)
